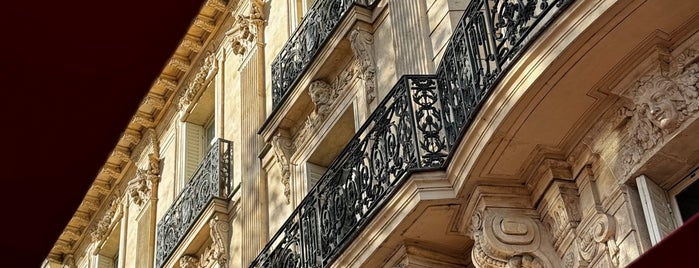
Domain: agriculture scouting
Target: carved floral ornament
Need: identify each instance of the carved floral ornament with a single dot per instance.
(660, 103)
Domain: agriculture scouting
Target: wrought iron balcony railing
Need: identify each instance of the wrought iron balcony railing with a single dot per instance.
(212, 179)
(414, 128)
(308, 39)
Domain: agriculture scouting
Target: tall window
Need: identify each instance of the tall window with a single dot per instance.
(198, 131)
(298, 10)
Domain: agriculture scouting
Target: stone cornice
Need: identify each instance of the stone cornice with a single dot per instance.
(161, 97)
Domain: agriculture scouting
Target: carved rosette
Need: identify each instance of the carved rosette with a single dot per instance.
(506, 238)
(659, 103)
(283, 149)
(362, 43)
(597, 238)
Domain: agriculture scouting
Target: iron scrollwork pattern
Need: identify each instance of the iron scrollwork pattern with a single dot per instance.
(414, 128)
(212, 179)
(304, 44)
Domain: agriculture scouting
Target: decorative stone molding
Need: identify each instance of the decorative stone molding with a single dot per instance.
(283, 149)
(143, 120)
(192, 45)
(216, 4)
(206, 71)
(560, 210)
(660, 102)
(113, 172)
(122, 155)
(362, 43)
(204, 24)
(180, 64)
(510, 238)
(596, 237)
(165, 83)
(100, 187)
(68, 261)
(130, 137)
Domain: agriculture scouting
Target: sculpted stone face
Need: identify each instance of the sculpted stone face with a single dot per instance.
(661, 110)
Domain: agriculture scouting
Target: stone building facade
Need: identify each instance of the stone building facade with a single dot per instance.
(411, 133)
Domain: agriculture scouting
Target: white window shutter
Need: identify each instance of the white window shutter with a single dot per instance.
(192, 148)
(102, 261)
(656, 209)
(313, 174)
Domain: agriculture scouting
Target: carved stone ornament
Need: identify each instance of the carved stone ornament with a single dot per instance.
(220, 236)
(246, 28)
(362, 43)
(207, 68)
(597, 238)
(561, 211)
(323, 96)
(100, 232)
(283, 149)
(505, 238)
(139, 189)
(660, 103)
(189, 261)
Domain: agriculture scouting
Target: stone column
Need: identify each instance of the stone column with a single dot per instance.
(411, 37)
(252, 115)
